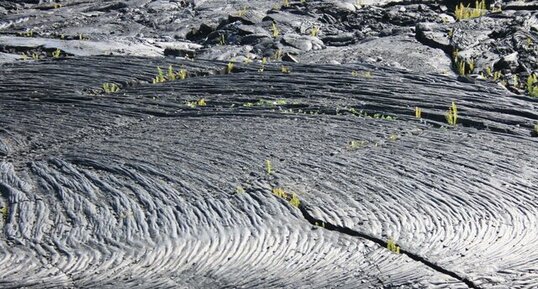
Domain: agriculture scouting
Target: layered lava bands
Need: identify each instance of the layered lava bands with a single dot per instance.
(149, 188)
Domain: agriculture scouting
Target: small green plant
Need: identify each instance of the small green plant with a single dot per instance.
(229, 67)
(314, 31)
(160, 76)
(268, 167)
(354, 73)
(292, 198)
(222, 40)
(274, 30)
(239, 190)
(356, 144)
(110, 87)
(461, 64)
(452, 114)
(466, 12)
(286, 3)
(5, 212)
(497, 75)
(320, 224)
(536, 129)
(35, 56)
(182, 74)
(284, 69)
(56, 53)
(171, 75)
(242, 12)
(488, 71)
(294, 201)
(278, 54)
(418, 112)
(279, 192)
(196, 103)
(28, 33)
(532, 85)
(391, 245)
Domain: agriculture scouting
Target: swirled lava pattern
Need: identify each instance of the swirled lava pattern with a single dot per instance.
(150, 187)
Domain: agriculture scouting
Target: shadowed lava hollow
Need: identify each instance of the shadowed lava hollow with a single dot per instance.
(178, 184)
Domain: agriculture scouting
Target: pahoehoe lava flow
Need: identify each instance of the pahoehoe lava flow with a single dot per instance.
(268, 144)
(139, 188)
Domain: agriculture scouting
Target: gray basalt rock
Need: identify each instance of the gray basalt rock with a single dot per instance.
(304, 43)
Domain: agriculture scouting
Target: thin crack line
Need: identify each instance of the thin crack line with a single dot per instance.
(382, 243)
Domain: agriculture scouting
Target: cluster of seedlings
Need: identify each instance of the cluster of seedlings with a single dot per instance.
(466, 12)
(39, 55)
(170, 75)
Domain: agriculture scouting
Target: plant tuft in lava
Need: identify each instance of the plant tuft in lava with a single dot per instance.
(274, 30)
(314, 31)
(279, 192)
(5, 212)
(229, 67)
(532, 85)
(170, 75)
(56, 53)
(466, 12)
(160, 76)
(110, 87)
(182, 74)
(452, 114)
(268, 167)
(391, 245)
(418, 112)
(294, 201)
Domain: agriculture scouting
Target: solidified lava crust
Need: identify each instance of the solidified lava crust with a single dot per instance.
(247, 174)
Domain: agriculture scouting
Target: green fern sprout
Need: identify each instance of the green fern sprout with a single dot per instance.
(532, 86)
(239, 190)
(391, 245)
(56, 53)
(278, 54)
(222, 40)
(274, 30)
(160, 76)
(5, 212)
(466, 12)
(170, 75)
(182, 74)
(497, 75)
(314, 31)
(294, 201)
(229, 67)
(242, 12)
(418, 112)
(110, 87)
(452, 114)
(279, 192)
(268, 167)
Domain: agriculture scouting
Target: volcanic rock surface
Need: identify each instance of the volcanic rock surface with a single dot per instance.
(224, 144)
